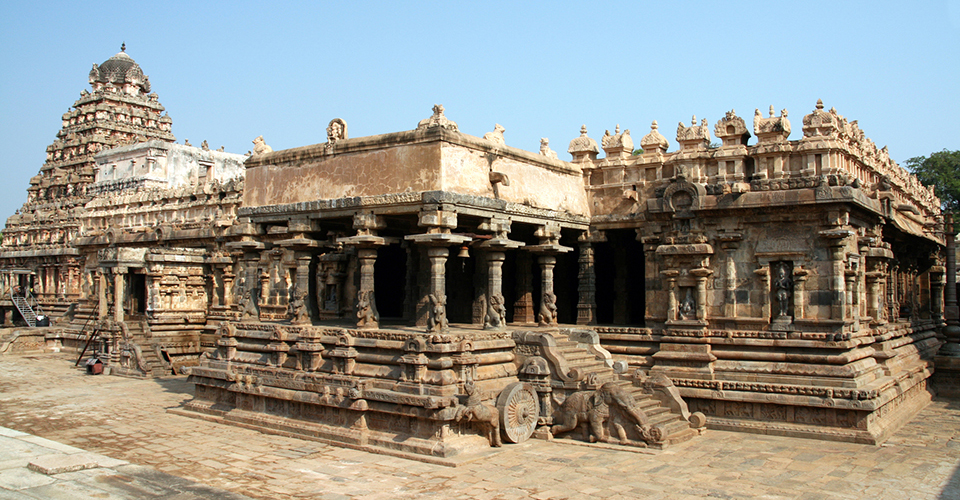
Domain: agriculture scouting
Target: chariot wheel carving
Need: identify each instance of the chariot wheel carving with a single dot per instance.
(519, 409)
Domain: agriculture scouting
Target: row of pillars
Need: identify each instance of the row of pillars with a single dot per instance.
(437, 254)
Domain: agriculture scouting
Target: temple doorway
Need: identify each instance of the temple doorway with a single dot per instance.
(619, 270)
(389, 275)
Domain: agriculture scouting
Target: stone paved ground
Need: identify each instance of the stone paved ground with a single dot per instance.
(44, 395)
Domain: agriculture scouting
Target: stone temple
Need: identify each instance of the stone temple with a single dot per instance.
(432, 292)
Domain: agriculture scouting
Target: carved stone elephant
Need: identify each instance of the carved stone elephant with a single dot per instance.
(614, 394)
(583, 407)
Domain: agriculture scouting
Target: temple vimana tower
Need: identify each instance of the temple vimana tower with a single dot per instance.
(430, 292)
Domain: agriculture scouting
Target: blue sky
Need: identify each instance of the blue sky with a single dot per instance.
(229, 72)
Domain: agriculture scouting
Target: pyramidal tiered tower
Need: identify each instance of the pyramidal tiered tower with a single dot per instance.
(119, 109)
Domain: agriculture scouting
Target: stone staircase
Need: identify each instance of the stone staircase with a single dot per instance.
(155, 365)
(674, 428)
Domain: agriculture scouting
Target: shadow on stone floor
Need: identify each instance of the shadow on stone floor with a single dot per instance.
(951, 491)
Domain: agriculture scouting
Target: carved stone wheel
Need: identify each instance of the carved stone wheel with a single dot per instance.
(519, 408)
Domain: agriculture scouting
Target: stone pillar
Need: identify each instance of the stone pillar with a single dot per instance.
(265, 279)
(303, 272)
(893, 299)
(481, 296)
(701, 274)
(874, 294)
(523, 307)
(670, 276)
(587, 286)
(367, 316)
(951, 311)
(118, 293)
(101, 295)
(936, 292)
(437, 322)
(496, 314)
(837, 281)
(765, 293)
(799, 292)
(228, 278)
(850, 296)
(548, 300)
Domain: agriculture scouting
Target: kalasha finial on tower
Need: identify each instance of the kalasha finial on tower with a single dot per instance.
(123, 47)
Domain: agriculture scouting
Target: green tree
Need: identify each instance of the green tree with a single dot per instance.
(941, 170)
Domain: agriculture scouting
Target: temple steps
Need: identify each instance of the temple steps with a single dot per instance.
(673, 426)
(156, 366)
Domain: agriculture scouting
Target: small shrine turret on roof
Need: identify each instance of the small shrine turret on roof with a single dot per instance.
(772, 129)
(583, 147)
(654, 142)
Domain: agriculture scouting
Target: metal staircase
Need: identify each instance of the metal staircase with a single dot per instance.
(29, 315)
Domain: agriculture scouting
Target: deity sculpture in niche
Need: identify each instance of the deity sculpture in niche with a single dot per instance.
(688, 306)
(783, 285)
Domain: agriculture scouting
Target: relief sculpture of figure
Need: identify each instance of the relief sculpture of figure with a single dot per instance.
(784, 286)
(437, 320)
(336, 130)
(496, 312)
(298, 309)
(366, 309)
(688, 306)
(548, 309)
(249, 311)
(484, 417)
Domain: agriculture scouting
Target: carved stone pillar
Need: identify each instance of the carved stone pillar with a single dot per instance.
(763, 274)
(549, 247)
(587, 285)
(670, 276)
(936, 292)
(799, 292)
(850, 295)
(228, 278)
(496, 314)
(702, 274)
(523, 306)
(368, 317)
(438, 289)
(119, 273)
(548, 299)
(265, 279)
(893, 298)
(951, 311)
(101, 294)
(837, 282)
(654, 299)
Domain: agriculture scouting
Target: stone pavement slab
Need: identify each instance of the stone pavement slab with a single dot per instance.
(920, 461)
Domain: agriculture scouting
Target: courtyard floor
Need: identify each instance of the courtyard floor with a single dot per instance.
(43, 395)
